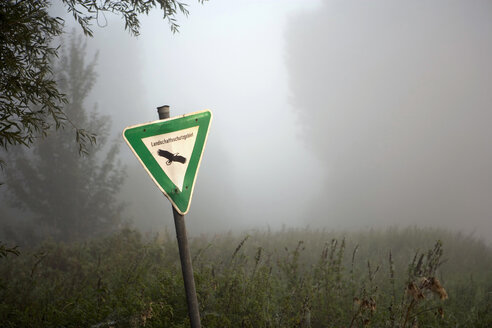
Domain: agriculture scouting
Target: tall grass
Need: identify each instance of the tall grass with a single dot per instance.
(291, 278)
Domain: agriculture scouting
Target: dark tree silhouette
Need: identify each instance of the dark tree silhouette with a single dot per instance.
(71, 197)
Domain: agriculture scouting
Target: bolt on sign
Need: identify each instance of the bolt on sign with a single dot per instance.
(171, 151)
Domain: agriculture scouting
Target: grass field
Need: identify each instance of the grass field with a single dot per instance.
(291, 278)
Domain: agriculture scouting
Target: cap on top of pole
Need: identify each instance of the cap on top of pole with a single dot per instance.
(163, 111)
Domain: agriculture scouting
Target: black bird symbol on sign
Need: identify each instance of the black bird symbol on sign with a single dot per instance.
(171, 157)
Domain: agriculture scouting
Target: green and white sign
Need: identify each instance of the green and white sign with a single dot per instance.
(171, 151)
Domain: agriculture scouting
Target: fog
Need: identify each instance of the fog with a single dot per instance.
(394, 97)
(334, 114)
(226, 61)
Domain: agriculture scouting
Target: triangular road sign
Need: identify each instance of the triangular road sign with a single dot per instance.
(171, 151)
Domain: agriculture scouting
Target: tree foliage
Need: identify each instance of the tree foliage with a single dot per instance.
(71, 197)
(29, 93)
(85, 12)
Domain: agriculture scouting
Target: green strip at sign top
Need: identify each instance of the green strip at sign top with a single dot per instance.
(171, 151)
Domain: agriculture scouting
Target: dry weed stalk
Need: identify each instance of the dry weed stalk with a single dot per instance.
(422, 280)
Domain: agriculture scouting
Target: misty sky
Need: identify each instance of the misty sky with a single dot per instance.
(228, 57)
(399, 97)
(334, 113)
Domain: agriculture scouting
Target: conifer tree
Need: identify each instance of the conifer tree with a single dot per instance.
(71, 197)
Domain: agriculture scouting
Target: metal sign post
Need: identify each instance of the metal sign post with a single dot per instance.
(184, 253)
